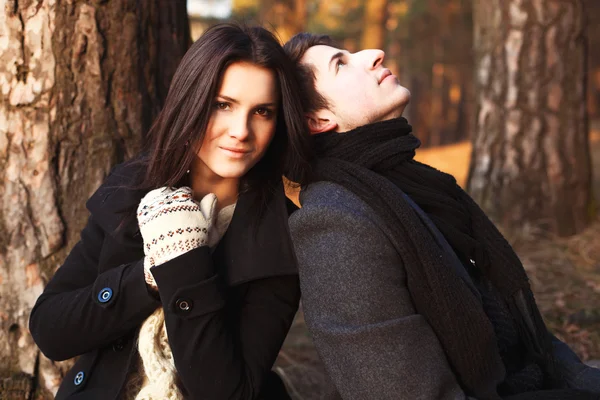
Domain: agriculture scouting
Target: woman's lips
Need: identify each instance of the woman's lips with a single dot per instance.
(234, 152)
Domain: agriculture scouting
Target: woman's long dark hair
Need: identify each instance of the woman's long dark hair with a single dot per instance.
(185, 116)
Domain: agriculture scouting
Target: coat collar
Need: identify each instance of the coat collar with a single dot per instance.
(113, 206)
(246, 252)
(250, 250)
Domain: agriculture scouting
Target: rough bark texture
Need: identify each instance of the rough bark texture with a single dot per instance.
(531, 160)
(80, 84)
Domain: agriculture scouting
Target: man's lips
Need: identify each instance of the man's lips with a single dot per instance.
(386, 72)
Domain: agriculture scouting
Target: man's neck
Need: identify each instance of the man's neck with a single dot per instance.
(350, 127)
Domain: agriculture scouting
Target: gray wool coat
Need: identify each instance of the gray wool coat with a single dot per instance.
(372, 341)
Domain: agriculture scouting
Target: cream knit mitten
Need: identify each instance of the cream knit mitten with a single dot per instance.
(172, 223)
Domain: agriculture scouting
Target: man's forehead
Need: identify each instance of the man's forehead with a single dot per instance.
(319, 56)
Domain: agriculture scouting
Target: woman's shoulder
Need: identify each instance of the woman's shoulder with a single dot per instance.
(118, 195)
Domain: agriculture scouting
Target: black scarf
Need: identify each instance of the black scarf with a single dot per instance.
(376, 160)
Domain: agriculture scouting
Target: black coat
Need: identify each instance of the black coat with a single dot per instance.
(241, 301)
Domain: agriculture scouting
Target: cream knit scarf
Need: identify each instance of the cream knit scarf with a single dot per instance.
(157, 371)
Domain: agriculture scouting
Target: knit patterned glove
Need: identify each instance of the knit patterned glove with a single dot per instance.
(172, 223)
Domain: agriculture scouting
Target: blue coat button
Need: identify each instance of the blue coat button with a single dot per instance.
(78, 378)
(105, 295)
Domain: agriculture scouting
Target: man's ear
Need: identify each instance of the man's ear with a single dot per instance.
(321, 121)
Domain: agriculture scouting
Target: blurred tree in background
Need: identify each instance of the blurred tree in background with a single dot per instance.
(531, 165)
(286, 17)
(374, 25)
(431, 42)
(592, 12)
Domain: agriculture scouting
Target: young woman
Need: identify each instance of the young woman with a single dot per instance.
(184, 283)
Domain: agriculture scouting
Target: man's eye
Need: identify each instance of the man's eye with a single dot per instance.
(222, 106)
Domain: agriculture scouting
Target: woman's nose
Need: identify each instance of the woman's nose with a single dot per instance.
(239, 128)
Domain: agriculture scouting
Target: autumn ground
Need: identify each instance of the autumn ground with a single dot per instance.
(565, 275)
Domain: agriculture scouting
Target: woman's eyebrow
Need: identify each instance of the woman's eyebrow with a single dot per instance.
(230, 99)
(234, 101)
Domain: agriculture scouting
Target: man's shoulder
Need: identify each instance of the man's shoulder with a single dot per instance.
(328, 203)
(329, 194)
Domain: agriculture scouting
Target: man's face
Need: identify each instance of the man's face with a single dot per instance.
(359, 89)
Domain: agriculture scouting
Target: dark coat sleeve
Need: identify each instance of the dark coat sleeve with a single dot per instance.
(216, 359)
(357, 306)
(574, 372)
(71, 317)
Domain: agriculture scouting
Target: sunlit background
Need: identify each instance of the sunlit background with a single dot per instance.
(428, 45)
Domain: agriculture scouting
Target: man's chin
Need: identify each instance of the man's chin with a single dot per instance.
(397, 111)
(404, 96)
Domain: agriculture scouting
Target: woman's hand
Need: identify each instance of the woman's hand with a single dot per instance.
(172, 223)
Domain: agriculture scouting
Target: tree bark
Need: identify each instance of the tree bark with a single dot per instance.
(531, 164)
(80, 84)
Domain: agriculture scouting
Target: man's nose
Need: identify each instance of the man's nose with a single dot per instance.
(373, 58)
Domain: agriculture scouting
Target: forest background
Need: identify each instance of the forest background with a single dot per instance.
(505, 96)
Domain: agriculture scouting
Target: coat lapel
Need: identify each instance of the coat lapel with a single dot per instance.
(253, 251)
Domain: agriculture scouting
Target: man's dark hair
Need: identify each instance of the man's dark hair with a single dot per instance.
(295, 49)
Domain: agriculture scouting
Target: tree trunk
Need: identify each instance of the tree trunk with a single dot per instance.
(80, 84)
(531, 160)
(592, 8)
(373, 36)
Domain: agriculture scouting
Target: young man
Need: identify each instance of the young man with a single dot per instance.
(409, 291)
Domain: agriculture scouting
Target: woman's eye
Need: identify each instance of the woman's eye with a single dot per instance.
(265, 112)
(222, 106)
(339, 63)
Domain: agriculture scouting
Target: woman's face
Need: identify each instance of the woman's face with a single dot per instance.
(242, 122)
